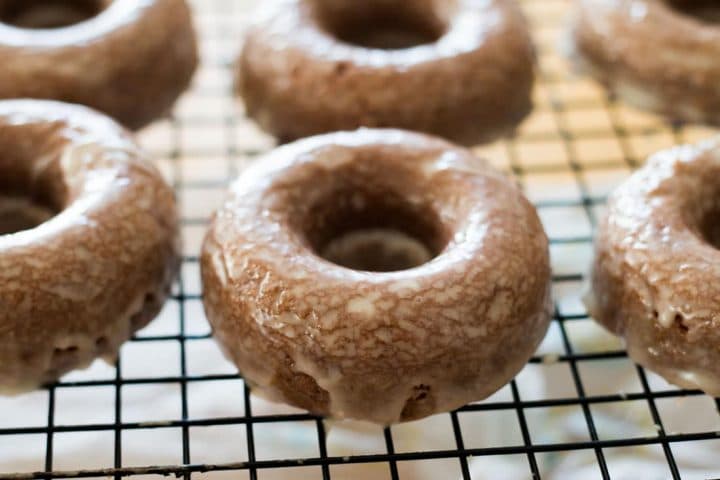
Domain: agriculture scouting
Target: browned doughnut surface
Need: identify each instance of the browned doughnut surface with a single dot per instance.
(128, 58)
(445, 298)
(660, 55)
(100, 266)
(657, 272)
(461, 69)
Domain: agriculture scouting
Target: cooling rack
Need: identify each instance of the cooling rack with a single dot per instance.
(580, 409)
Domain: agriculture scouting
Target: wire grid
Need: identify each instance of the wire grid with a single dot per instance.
(577, 145)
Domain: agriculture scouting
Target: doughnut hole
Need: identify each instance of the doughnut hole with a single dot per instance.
(384, 24)
(377, 250)
(47, 14)
(710, 226)
(703, 10)
(373, 230)
(27, 201)
(18, 213)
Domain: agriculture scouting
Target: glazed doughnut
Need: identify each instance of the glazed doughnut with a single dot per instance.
(100, 266)
(128, 58)
(659, 55)
(460, 69)
(379, 275)
(656, 275)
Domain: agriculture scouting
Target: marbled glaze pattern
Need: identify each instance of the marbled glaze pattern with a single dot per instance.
(651, 55)
(656, 276)
(383, 347)
(470, 85)
(77, 286)
(131, 61)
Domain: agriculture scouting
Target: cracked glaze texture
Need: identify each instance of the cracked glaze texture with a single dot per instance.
(131, 61)
(656, 276)
(651, 55)
(77, 286)
(470, 84)
(383, 347)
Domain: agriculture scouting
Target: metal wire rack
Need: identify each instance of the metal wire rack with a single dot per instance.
(579, 401)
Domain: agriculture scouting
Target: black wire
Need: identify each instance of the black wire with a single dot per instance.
(460, 444)
(390, 446)
(117, 461)
(322, 447)
(50, 430)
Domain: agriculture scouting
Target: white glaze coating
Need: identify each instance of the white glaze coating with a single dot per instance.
(656, 273)
(383, 347)
(651, 55)
(471, 84)
(78, 285)
(131, 61)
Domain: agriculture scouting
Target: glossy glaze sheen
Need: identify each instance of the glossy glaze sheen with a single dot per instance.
(131, 61)
(656, 277)
(471, 85)
(383, 347)
(77, 286)
(651, 55)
